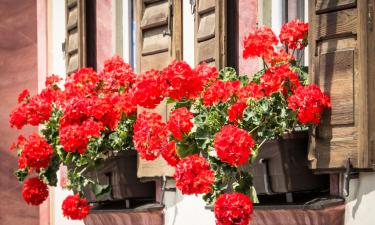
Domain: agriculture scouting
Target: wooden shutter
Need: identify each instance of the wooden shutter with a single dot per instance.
(338, 37)
(210, 32)
(75, 48)
(158, 43)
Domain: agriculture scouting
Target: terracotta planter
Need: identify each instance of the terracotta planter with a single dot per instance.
(282, 167)
(120, 172)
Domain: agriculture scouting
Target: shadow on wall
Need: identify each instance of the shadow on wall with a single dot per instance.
(360, 203)
(18, 70)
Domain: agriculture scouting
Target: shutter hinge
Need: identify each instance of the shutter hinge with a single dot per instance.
(63, 47)
(192, 5)
(170, 20)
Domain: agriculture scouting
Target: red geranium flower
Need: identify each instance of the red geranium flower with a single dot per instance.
(36, 152)
(19, 143)
(251, 90)
(259, 43)
(235, 111)
(233, 209)
(206, 73)
(34, 192)
(75, 208)
(24, 95)
(169, 154)
(74, 138)
(150, 135)
(34, 112)
(81, 83)
(149, 89)
(233, 145)
(179, 122)
(52, 80)
(308, 102)
(183, 81)
(219, 91)
(294, 34)
(280, 57)
(273, 79)
(193, 175)
(116, 74)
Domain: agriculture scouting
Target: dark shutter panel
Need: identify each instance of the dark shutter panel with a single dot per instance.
(75, 48)
(210, 32)
(338, 64)
(158, 43)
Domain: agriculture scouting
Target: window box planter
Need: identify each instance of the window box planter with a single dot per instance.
(120, 172)
(282, 166)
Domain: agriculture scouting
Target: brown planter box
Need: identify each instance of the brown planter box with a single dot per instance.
(120, 172)
(282, 166)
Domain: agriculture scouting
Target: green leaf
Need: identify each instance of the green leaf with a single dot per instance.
(21, 174)
(253, 195)
(186, 149)
(100, 189)
(228, 74)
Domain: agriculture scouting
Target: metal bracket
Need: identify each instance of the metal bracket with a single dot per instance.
(164, 189)
(266, 177)
(348, 175)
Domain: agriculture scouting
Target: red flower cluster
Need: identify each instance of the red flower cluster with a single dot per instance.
(21, 140)
(219, 91)
(34, 111)
(233, 145)
(233, 209)
(150, 135)
(206, 73)
(75, 208)
(183, 81)
(170, 155)
(149, 89)
(116, 74)
(251, 90)
(84, 82)
(235, 111)
(294, 34)
(260, 43)
(75, 137)
(36, 153)
(179, 122)
(34, 192)
(309, 102)
(280, 57)
(24, 95)
(193, 175)
(273, 79)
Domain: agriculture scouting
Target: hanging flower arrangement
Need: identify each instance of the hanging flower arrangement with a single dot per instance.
(218, 123)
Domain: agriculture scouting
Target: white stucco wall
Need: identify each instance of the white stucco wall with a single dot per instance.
(360, 206)
(56, 65)
(183, 209)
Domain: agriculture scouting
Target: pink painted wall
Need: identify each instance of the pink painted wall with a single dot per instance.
(248, 18)
(104, 14)
(18, 70)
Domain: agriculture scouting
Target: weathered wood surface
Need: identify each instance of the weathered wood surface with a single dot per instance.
(341, 64)
(156, 48)
(210, 32)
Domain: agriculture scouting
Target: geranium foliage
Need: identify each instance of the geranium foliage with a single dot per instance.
(218, 122)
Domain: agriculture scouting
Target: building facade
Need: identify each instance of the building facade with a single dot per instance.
(58, 37)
